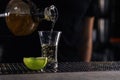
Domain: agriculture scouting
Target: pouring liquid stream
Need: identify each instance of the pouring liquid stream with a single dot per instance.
(53, 16)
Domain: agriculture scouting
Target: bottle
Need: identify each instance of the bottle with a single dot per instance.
(23, 17)
(19, 20)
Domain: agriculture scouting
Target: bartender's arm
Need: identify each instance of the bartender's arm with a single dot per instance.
(86, 47)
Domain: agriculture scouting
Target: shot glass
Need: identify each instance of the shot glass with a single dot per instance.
(49, 48)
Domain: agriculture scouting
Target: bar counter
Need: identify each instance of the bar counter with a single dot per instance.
(66, 71)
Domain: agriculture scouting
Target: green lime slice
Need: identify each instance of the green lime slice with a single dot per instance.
(35, 63)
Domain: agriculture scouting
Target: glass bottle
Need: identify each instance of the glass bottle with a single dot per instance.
(23, 17)
(19, 19)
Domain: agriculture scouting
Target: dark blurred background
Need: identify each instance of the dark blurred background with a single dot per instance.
(106, 35)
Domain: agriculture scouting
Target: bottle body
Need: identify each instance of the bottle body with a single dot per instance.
(19, 19)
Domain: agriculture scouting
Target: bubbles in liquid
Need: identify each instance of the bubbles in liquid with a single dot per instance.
(49, 51)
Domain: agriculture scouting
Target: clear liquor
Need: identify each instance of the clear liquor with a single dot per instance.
(50, 51)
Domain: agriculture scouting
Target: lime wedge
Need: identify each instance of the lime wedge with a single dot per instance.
(35, 63)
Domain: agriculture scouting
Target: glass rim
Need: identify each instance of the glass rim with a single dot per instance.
(50, 31)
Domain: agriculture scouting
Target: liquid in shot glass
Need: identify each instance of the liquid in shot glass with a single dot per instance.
(49, 48)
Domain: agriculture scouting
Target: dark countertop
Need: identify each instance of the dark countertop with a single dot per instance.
(103, 75)
(66, 71)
